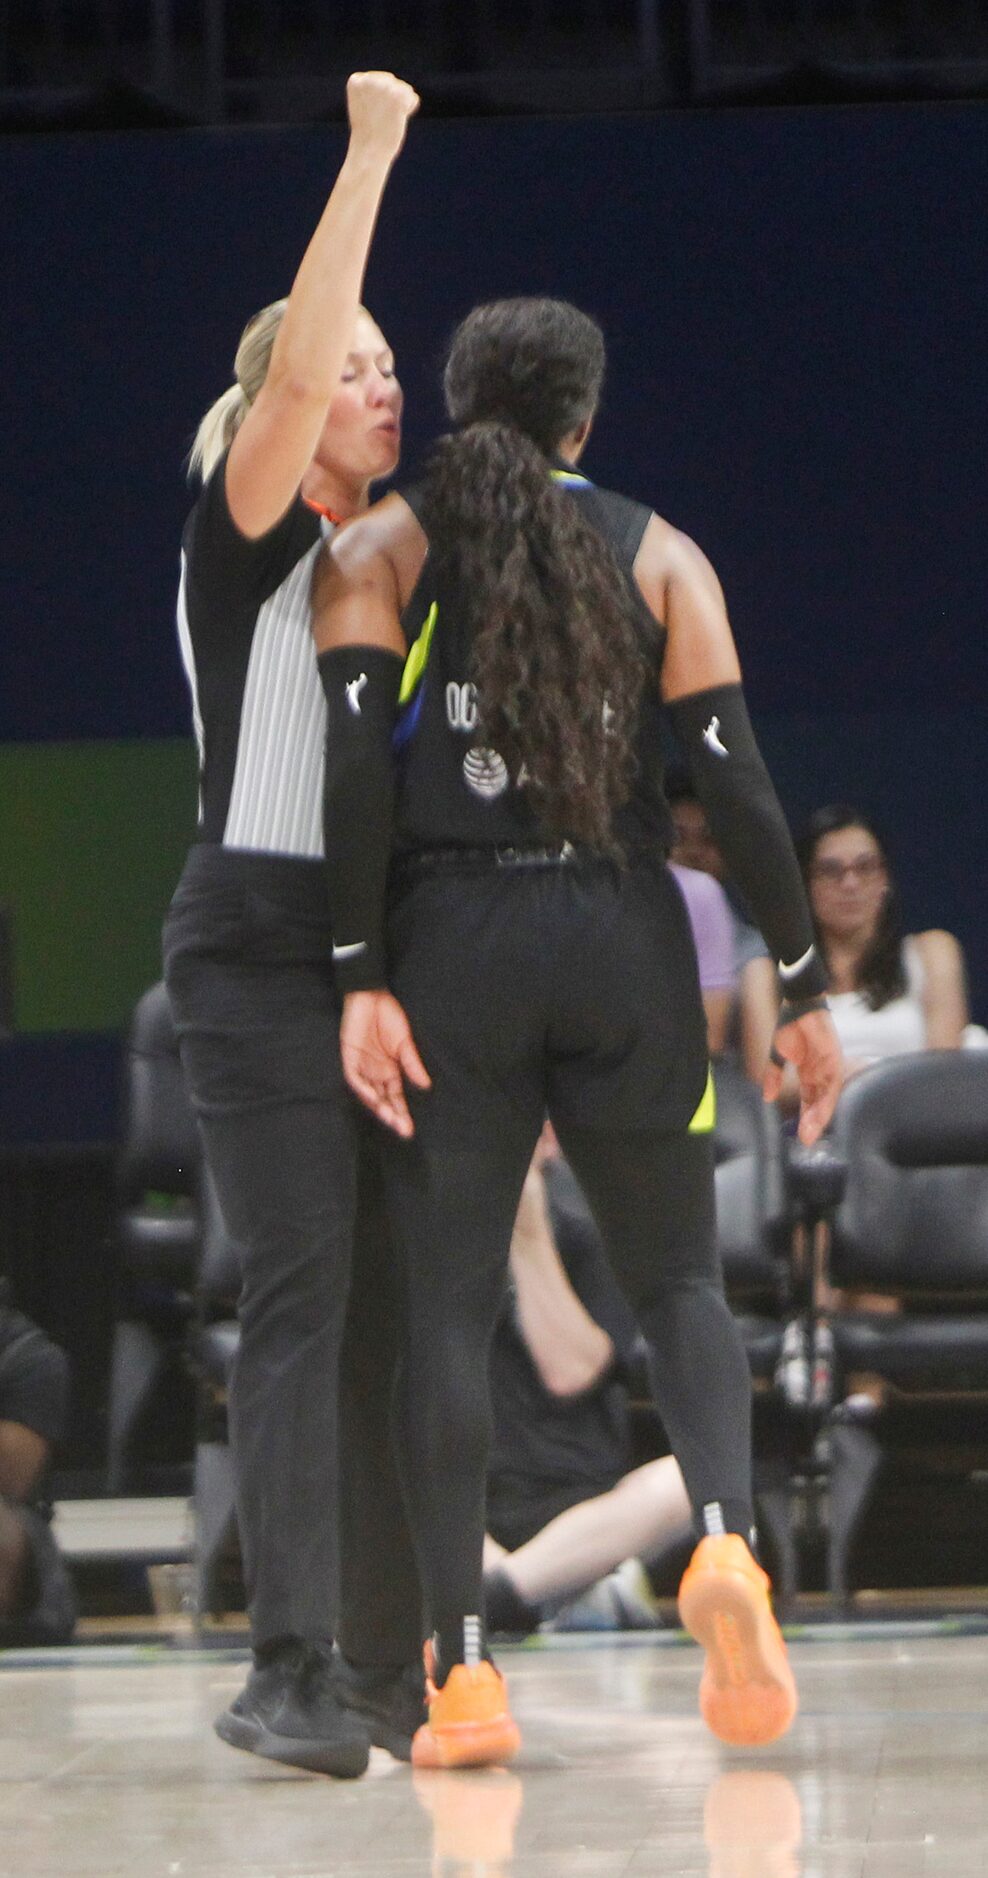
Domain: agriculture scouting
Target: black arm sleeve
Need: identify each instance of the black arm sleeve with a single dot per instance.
(361, 685)
(749, 827)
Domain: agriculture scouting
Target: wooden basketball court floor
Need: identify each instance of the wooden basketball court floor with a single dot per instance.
(108, 1766)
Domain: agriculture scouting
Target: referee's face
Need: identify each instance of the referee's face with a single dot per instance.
(361, 438)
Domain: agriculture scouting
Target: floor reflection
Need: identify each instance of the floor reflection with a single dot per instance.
(753, 1826)
(474, 1817)
(752, 1823)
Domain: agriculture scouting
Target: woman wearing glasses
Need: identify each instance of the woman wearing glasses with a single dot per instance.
(889, 993)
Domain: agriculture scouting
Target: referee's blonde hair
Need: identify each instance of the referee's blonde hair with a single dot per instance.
(224, 418)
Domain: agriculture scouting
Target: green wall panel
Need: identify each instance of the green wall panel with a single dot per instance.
(92, 838)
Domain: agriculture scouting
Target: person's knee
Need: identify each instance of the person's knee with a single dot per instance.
(294, 1290)
(672, 1295)
(24, 1455)
(15, 1553)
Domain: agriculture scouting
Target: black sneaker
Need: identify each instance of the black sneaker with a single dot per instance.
(390, 1701)
(290, 1711)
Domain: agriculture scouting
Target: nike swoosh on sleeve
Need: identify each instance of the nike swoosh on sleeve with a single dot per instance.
(791, 971)
(351, 951)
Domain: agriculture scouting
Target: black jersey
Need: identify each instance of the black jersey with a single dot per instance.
(452, 792)
(244, 622)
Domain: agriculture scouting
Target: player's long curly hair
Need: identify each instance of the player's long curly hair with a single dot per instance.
(558, 660)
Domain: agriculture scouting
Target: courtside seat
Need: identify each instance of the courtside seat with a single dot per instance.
(910, 1140)
(913, 1222)
(753, 1215)
(157, 1224)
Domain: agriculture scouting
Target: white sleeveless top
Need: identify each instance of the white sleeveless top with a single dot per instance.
(897, 1029)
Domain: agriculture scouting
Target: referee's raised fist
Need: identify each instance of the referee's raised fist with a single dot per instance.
(379, 107)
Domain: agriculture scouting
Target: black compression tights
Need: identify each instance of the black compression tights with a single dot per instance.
(652, 1196)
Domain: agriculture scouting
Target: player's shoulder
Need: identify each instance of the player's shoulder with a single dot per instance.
(669, 554)
(622, 517)
(940, 952)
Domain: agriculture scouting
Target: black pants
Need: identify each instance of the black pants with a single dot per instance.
(34, 1375)
(34, 1388)
(325, 1544)
(567, 989)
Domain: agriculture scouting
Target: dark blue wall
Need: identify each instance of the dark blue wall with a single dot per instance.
(796, 304)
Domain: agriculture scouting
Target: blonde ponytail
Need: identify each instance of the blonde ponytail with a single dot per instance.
(224, 418)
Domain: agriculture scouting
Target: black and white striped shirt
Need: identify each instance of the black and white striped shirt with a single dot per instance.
(257, 702)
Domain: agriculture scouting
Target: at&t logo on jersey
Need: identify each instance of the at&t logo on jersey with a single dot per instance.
(485, 773)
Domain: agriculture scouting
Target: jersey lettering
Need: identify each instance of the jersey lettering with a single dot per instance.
(461, 707)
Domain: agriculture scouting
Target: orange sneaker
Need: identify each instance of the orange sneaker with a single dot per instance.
(747, 1695)
(470, 1724)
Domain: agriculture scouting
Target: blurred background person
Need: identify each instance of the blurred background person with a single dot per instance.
(890, 992)
(37, 1601)
(712, 926)
(566, 1504)
(753, 1003)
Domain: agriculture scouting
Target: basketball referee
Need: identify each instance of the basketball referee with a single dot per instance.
(288, 454)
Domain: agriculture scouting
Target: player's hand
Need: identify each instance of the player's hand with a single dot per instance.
(378, 1050)
(379, 107)
(811, 1045)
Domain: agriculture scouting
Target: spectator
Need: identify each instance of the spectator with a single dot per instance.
(37, 1604)
(711, 921)
(565, 1504)
(890, 993)
(754, 1003)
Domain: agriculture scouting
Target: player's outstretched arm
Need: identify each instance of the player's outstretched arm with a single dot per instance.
(701, 685)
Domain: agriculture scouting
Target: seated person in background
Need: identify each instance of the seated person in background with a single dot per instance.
(890, 993)
(754, 1003)
(565, 1504)
(710, 917)
(37, 1604)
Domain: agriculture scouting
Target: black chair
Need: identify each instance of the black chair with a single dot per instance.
(910, 1146)
(754, 1237)
(754, 1229)
(753, 1215)
(157, 1226)
(212, 1342)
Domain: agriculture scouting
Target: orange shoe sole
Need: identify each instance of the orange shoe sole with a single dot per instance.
(748, 1693)
(466, 1743)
